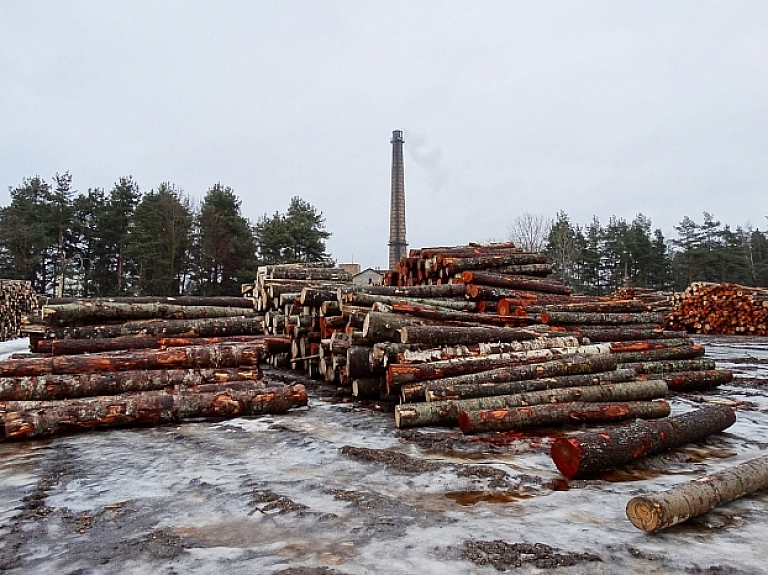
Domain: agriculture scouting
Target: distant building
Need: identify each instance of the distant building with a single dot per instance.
(353, 269)
(368, 277)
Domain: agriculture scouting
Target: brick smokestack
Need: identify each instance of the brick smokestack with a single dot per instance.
(398, 247)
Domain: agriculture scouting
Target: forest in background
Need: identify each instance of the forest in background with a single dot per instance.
(124, 242)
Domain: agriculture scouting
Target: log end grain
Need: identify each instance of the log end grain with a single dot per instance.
(645, 514)
(566, 453)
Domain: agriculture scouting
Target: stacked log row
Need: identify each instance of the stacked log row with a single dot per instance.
(17, 299)
(725, 309)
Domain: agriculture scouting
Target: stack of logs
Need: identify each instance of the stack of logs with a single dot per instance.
(485, 336)
(725, 309)
(17, 299)
(139, 361)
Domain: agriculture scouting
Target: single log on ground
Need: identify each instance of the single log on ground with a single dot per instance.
(623, 332)
(50, 387)
(445, 335)
(149, 408)
(417, 392)
(572, 318)
(558, 414)
(646, 367)
(661, 510)
(597, 451)
(669, 353)
(224, 355)
(695, 380)
(447, 412)
(210, 327)
(573, 365)
(513, 282)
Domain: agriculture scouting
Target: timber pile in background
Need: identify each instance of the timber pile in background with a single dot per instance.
(17, 299)
(725, 309)
(139, 361)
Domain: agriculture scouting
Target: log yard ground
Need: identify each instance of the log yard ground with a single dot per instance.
(336, 489)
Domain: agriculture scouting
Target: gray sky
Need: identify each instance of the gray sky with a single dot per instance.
(593, 108)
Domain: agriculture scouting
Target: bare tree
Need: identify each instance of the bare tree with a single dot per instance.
(530, 232)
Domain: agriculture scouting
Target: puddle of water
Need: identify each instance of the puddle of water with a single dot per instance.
(467, 498)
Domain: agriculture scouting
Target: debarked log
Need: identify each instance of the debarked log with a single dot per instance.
(224, 355)
(661, 510)
(149, 408)
(558, 414)
(51, 387)
(447, 412)
(598, 451)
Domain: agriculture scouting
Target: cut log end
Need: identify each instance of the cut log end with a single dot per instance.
(644, 514)
(464, 423)
(566, 453)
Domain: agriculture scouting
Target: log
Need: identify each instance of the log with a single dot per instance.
(224, 355)
(90, 312)
(367, 388)
(457, 317)
(358, 362)
(210, 327)
(420, 291)
(574, 365)
(427, 390)
(78, 346)
(513, 282)
(648, 344)
(558, 414)
(669, 353)
(696, 380)
(214, 301)
(446, 413)
(654, 367)
(602, 450)
(611, 306)
(661, 510)
(458, 265)
(573, 318)
(314, 296)
(400, 374)
(365, 299)
(149, 408)
(445, 335)
(380, 326)
(50, 387)
(415, 353)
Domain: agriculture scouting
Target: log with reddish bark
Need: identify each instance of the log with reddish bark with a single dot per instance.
(420, 291)
(446, 413)
(558, 414)
(658, 511)
(473, 384)
(224, 355)
(210, 327)
(598, 451)
(648, 367)
(149, 408)
(668, 353)
(513, 282)
(458, 265)
(648, 344)
(585, 318)
(90, 312)
(429, 392)
(50, 386)
(597, 306)
(695, 380)
(449, 335)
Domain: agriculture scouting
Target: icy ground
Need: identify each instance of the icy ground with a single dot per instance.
(336, 490)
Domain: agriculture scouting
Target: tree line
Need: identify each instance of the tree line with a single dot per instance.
(124, 242)
(597, 259)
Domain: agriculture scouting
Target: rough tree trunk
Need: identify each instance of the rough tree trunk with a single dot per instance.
(87, 312)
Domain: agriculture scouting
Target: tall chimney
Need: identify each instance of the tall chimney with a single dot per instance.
(397, 244)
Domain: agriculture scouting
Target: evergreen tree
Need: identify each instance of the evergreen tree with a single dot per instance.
(297, 236)
(117, 222)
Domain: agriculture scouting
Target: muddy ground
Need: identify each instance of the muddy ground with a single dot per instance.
(336, 489)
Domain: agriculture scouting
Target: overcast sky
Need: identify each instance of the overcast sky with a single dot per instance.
(593, 108)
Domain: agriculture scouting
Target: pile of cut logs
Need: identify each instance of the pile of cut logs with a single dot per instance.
(726, 309)
(139, 361)
(17, 298)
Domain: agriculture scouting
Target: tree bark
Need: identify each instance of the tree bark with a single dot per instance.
(271, 344)
(314, 296)
(558, 414)
(696, 380)
(365, 299)
(489, 389)
(602, 450)
(446, 413)
(612, 306)
(661, 510)
(624, 332)
(421, 291)
(458, 317)
(513, 282)
(571, 318)
(210, 327)
(669, 353)
(415, 353)
(224, 355)
(458, 265)
(446, 335)
(104, 311)
(359, 362)
(149, 408)
(50, 387)
(647, 367)
(648, 344)
(367, 387)
(216, 301)
(379, 326)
